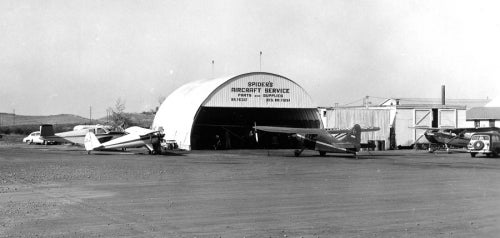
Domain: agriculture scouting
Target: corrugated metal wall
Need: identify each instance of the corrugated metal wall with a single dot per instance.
(348, 117)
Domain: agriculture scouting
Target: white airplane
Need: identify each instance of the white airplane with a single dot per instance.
(323, 140)
(134, 137)
(77, 135)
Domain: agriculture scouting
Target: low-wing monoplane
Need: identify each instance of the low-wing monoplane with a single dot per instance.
(77, 136)
(453, 137)
(134, 137)
(323, 140)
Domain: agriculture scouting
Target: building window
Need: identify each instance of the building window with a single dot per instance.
(477, 123)
(492, 123)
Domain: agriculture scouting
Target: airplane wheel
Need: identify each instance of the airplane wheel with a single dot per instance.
(322, 153)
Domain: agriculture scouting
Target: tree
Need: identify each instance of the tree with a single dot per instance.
(161, 99)
(119, 119)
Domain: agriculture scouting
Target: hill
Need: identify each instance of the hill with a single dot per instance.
(7, 119)
(63, 122)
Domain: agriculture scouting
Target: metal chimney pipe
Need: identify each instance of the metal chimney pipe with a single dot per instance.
(443, 95)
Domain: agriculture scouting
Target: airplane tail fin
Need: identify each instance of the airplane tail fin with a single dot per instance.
(46, 130)
(91, 141)
(354, 135)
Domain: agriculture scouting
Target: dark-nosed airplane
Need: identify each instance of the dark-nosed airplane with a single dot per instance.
(134, 137)
(453, 137)
(323, 140)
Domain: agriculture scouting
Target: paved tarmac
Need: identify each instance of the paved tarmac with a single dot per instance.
(60, 191)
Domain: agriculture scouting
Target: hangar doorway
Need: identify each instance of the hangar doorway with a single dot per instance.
(231, 128)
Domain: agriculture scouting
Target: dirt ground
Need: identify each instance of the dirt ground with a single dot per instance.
(60, 191)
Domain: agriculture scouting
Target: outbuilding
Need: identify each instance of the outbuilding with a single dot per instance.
(483, 117)
(220, 113)
(402, 122)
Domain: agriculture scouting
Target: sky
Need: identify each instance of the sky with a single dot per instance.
(64, 56)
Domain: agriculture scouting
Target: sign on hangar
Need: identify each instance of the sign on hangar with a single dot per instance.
(260, 90)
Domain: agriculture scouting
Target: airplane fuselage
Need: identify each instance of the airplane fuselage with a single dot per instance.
(76, 137)
(329, 143)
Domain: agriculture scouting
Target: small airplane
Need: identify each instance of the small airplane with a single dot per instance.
(323, 140)
(77, 136)
(453, 137)
(134, 137)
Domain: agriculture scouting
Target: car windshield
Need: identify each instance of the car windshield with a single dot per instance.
(481, 137)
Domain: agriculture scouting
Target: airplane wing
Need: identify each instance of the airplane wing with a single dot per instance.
(139, 131)
(290, 130)
(346, 130)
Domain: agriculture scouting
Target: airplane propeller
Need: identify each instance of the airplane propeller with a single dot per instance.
(255, 132)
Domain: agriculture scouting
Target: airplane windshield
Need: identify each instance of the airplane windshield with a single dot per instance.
(101, 131)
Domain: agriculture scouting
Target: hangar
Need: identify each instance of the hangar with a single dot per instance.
(221, 112)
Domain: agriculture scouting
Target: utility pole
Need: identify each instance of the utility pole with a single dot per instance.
(260, 62)
(90, 115)
(213, 62)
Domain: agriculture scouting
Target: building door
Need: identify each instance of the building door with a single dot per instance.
(447, 118)
(421, 121)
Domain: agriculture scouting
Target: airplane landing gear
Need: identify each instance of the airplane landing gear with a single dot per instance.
(298, 152)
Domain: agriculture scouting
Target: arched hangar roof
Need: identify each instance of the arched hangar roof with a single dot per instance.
(177, 113)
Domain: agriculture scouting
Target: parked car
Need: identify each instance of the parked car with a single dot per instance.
(487, 143)
(34, 137)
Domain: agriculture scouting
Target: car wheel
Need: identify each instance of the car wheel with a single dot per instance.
(31, 142)
(472, 155)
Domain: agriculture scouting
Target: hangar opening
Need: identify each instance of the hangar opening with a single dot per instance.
(233, 127)
(220, 113)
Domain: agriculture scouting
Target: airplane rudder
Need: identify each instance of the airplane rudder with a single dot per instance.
(356, 133)
(91, 141)
(46, 130)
